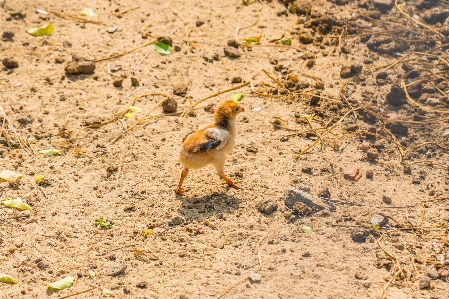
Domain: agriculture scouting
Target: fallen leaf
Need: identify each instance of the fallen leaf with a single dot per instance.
(102, 223)
(9, 175)
(91, 274)
(236, 97)
(163, 49)
(286, 41)
(107, 293)
(146, 233)
(252, 40)
(46, 29)
(61, 284)
(87, 12)
(17, 204)
(7, 279)
(50, 152)
(306, 229)
(135, 109)
(39, 178)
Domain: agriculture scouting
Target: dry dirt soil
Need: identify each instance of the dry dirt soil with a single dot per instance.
(338, 88)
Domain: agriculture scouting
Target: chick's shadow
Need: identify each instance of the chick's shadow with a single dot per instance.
(201, 208)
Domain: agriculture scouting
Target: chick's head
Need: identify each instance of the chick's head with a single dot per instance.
(228, 109)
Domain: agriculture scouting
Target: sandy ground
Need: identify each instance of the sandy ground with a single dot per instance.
(213, 236)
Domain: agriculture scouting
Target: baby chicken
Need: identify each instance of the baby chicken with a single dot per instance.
(211, 144)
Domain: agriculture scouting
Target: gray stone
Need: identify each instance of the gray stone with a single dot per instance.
(295, 195)
(232, 52)
(433, 273)
(254, 277)
(378, 220)
(424, 282)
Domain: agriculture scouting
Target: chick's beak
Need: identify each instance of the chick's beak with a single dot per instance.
(242, 109)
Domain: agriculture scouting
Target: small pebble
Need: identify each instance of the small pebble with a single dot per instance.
(254, 277)
(379, 220)
(424, 282)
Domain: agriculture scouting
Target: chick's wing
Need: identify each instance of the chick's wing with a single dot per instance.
(203, 141)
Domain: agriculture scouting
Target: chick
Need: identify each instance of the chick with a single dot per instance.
(211, 144)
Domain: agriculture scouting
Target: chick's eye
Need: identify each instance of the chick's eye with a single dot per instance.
(236, 108)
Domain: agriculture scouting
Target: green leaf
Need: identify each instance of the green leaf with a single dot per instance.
(132, 110)
(7, 279)
(9, 175)
(17, 204)
(307, 229)
(236, 97)
(163, 49)
(135, 109)
(50, 152)
(87, 12)
(252, 40)
(102, 223)
(286, 41)
(107, 293)
(61, 284)
(46, 29)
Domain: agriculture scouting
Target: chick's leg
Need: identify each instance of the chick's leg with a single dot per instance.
(228, 181)
(219, 167)
(184, 173)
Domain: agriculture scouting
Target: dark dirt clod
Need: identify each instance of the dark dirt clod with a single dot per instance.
(180, 89)
(79, 65)
(93, 120)
(165, 40)
(266, 206)
(303, 7)
(306, 38)
(169, 105)
(118, 81)
(24, 120)
(325, 193)
(117, 270)
(386, 199)
(383, 5)
(359, 236)
(233, 43)
(7, 35)
(210, 108)
(199, 23)
(396, 96)
(397, 128)
(310, 63)
(435, 15)
(237, 79)
(425, 4)
(10, 62)
(134, 81)
(232, 52)
(345, 71)
(372, 154)
(142, 285)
